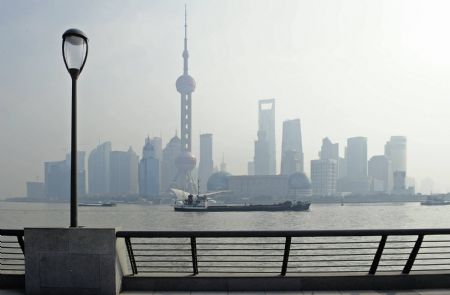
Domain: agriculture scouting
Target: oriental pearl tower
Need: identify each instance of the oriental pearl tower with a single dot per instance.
(186, 161)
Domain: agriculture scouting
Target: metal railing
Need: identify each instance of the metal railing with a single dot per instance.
(306, 252)
(12, 249)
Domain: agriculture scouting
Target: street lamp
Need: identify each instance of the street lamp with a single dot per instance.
(75, 50)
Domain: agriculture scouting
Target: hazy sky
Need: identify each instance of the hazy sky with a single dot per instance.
(345, 68)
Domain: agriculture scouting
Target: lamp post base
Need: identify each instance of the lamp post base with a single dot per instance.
(72, 261)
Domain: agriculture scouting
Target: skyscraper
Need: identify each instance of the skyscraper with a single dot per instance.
(206, 164)
(266, 123)
(357, 157)
(381, 173)
(356, 181)
(124, 172)
(262, 155)
(395, 150)
(324, 177)
(291, 148)
(98, 169)
(168, 168)
(329, 150)
(150, 168)
(57, 177)
(324, 172)
(185, 161)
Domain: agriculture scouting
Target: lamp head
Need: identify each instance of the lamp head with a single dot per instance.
(75, 51)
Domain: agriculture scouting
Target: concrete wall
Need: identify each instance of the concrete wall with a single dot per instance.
(71, 261)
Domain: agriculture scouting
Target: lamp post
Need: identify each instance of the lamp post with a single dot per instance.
(75, 50)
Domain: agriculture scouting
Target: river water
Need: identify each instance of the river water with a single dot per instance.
(163, 217)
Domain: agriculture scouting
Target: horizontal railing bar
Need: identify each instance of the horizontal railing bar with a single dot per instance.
(159, 249)
(238, 255)
(9, 242)
(232, 243)
(432, 269)
(428, 253)
(226, 271)
(436, 241)
(331, 266)
(337, 255)
(12, 258)
(164, 244)
(335, 242)
(239, 249)
(242, 261)
(11, 232)
(299, 233)
(343, 248)
(437, 246)
(19, 264)
(163, 255)
(164, 266)
(163, 261)
(171, 263)
(167, 271)
(325, 271)
(329, 260)
(433, 258)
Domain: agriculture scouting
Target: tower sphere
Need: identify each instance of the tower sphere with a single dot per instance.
(185, 84)
(185, 161)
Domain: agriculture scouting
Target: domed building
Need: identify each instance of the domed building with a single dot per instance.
(218, 181)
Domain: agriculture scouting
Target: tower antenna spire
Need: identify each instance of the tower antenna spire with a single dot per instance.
(185, 52)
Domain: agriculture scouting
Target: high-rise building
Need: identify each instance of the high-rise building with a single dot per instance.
(223, 165)
(185, 161)
(35, 190)
(266, 123)
(150, 169)
(356, 180)
(324, 172)
(57, 177)
(329, 150)
(324, 177)
(395, 150)
(168, 169)
(380, 172)
(251, 168)
(291, 148)
(206, 164)
(57, 180)
(124, 172)
(399, 183)
(357, 157)
(98, 169)
(262, 155)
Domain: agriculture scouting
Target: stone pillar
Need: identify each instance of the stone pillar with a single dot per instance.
(71, 261)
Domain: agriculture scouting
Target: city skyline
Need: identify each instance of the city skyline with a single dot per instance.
(126, 113)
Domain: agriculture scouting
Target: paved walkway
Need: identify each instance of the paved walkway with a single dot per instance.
(427, 292)
(416, 292)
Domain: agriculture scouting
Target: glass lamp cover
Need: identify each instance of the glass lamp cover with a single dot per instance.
(74, 51)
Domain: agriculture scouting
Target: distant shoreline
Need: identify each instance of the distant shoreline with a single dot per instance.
(314, 200)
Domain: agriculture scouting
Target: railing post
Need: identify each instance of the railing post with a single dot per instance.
(21, 243)
(376, 259)
(194, 256)
(131, 255)
(412, 256)
(287, 248)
